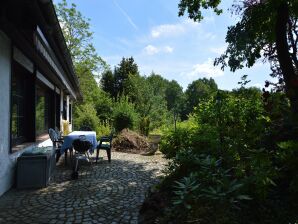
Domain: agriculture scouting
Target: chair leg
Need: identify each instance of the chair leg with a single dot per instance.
(109, 154)
(87, 155)
(65, 155)
(75, 173)
(70, 154)
(58, 154)
(76, 165)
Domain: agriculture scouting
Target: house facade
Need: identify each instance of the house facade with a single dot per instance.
(37, 80)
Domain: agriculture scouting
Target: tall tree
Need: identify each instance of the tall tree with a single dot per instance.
(78, 37)
(117, 83)
(107, 82)
(158, 84)
(87, 63)
(199, 90)
(126, 68)
(268, 29)
(174, 96)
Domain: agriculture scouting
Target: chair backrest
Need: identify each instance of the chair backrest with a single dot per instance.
(58, 132)
(81, 146)
(85, 128)
(53, 135)
(108, 138)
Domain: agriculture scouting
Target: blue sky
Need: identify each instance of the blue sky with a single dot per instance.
(160, 41)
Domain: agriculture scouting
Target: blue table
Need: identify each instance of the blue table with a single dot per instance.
(90, 136)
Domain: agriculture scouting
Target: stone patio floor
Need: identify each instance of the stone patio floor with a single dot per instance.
(104, 193)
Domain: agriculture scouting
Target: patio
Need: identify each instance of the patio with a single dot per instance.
(104, 193)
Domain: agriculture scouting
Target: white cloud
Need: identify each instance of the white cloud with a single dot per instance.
(151, 50)
(218, 50)
(205, 69)
(258, 85)
(167, 30)
(168, 49)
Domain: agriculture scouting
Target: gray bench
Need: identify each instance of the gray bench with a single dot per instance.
(35, 167)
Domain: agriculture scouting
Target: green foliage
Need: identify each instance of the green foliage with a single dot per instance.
(193, 8)
(198, 91)
(174, 141)
(78, 37)
(209, 185)
(117, 83)
(173, 95)
(85, 115)
(124, 115)
(266, 29)
(92, 94)
(107, 82)
(103, 129)
(126, 68)
(144, 126)
(96, 104)
(185, 191)
(224, 151)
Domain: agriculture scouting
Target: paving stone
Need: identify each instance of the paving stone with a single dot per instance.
(103, 193)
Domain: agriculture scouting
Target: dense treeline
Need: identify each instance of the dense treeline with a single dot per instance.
(235, 159)
(142, 103)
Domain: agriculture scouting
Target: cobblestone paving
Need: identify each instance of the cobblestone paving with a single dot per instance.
(104, 193)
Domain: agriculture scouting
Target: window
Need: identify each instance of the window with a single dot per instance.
(58, 112)
(18, 106)
(22, 105)
(70, 114)
(41, 109)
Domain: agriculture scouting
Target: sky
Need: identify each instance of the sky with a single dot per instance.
(174, 47)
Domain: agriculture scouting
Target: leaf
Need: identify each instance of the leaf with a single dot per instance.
(243, 197)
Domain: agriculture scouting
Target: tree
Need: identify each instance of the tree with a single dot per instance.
(173, 96)
(266, 29)
(78, 37)
(126, 68)
(117, 83)
(199, 90)
(107, 82)
(87, 63)
(158, 83)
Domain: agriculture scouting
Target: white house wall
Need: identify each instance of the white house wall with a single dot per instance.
(7, 159)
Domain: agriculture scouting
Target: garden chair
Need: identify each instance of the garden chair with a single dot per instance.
(81, 147)
(59, 134)
(105, 143)
(57, 143)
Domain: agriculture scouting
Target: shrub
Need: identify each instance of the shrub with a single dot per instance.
(85, 115)
(144, 125)
(124, 115)
(174, 141)
(103, 129)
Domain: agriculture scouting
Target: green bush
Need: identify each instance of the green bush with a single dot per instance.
(124, 115)
(103, 129)
(144, 124)
(85, 115)
(179, 139)
(221, 154)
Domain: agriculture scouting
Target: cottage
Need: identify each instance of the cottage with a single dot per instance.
(37, 80)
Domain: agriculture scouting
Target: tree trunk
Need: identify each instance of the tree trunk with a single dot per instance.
(284, 58)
